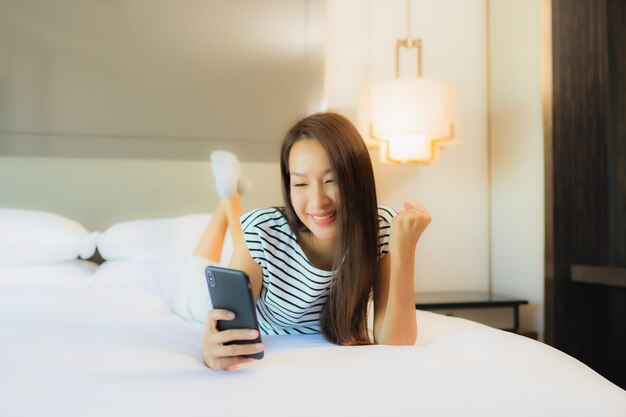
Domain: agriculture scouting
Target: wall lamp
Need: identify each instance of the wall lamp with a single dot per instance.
(409, 119)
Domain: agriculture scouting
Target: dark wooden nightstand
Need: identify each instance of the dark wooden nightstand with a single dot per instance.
(497, 311)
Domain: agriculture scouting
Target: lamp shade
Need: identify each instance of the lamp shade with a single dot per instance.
(411, 117)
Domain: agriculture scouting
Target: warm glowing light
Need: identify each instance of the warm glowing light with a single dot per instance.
(410, 118)
(406, 148)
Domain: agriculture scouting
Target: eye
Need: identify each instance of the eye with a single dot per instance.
(329, 181)
(300, 184)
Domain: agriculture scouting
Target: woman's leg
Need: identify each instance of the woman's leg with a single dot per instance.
(233, 210)
(212, 240)
(225, 217)
(192, 299)
(229, 183)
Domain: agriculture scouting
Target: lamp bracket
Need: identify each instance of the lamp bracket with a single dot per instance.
(409, 44)
(435, 144)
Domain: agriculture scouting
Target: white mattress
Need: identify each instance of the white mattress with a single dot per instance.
(113, 348)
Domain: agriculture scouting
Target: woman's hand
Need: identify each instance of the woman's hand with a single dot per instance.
(219, 356)
(407, 227)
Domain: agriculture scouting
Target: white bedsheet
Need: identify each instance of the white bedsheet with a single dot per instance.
(116, 350)
(59, 275)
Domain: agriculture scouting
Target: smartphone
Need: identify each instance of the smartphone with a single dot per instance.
(230, 290)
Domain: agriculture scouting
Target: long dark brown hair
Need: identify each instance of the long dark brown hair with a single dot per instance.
(343, 318)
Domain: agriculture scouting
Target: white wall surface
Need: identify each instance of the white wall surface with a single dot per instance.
(453, 254)
(517, 156)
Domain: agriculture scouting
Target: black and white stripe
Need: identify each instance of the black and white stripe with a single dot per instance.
(294, 290)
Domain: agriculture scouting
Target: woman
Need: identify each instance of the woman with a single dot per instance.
(314, 264)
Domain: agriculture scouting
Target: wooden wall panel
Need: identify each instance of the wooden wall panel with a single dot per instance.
(588, 176)
(616, 12)
(579, 122)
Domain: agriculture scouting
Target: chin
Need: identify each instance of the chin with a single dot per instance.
(325, 234)
(328, 232)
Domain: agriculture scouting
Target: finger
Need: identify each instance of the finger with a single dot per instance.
(243, 362)
(408, 205)
(230, 351)
(222, 364)
(216, 315)
(235, 334)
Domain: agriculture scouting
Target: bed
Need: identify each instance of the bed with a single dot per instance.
(81, 338)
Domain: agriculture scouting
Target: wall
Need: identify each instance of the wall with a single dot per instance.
(517, 157)
(167, 79)
(453, 254)
(486, 192)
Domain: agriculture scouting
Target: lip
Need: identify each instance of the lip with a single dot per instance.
(321, 219)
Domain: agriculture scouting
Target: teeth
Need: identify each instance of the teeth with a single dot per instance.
(328, 216)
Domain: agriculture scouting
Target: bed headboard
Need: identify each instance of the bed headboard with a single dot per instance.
(100, 192)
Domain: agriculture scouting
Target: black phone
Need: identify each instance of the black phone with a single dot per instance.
(230, 290)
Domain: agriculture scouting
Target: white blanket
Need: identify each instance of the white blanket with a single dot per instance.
(117, 350)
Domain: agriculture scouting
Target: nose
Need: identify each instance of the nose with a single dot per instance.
(318, 199)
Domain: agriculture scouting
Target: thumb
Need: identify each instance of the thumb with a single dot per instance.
(408, 206)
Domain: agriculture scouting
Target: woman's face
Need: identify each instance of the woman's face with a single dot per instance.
(314, 190)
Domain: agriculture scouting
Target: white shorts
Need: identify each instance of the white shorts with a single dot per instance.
(192, 300)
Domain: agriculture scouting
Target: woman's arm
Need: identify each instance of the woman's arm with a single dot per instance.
(394, 304)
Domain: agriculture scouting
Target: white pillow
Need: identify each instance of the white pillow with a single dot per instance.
(170, 240)
(30, 237)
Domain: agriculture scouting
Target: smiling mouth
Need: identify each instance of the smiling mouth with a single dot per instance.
(324, 218)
